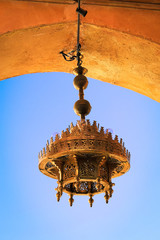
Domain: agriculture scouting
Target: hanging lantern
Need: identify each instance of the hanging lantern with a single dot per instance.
(85, 158)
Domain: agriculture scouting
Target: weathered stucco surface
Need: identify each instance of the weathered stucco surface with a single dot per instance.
(120, 45)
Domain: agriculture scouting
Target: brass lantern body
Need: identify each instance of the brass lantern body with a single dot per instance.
(84, 159)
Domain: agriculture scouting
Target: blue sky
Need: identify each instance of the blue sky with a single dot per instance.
(33, 107)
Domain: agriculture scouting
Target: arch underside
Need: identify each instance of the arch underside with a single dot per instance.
(111, 56)
(124, 53)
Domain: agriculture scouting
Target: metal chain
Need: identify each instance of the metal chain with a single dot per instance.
(78, 36)
(71, 55)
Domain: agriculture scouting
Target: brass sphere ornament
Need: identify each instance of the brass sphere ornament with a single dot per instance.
(80, 82)
(82, 107)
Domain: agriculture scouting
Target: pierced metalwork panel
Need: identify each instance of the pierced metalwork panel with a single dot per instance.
(103, 172)
(69, 170)
(87, 169)
(84, 187)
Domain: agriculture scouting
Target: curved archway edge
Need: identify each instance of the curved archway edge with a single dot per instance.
(111, 56)
(122, 48)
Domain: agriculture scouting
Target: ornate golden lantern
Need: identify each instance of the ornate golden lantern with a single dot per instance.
(85, 158)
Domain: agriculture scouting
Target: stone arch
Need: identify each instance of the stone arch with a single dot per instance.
(115, 51)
